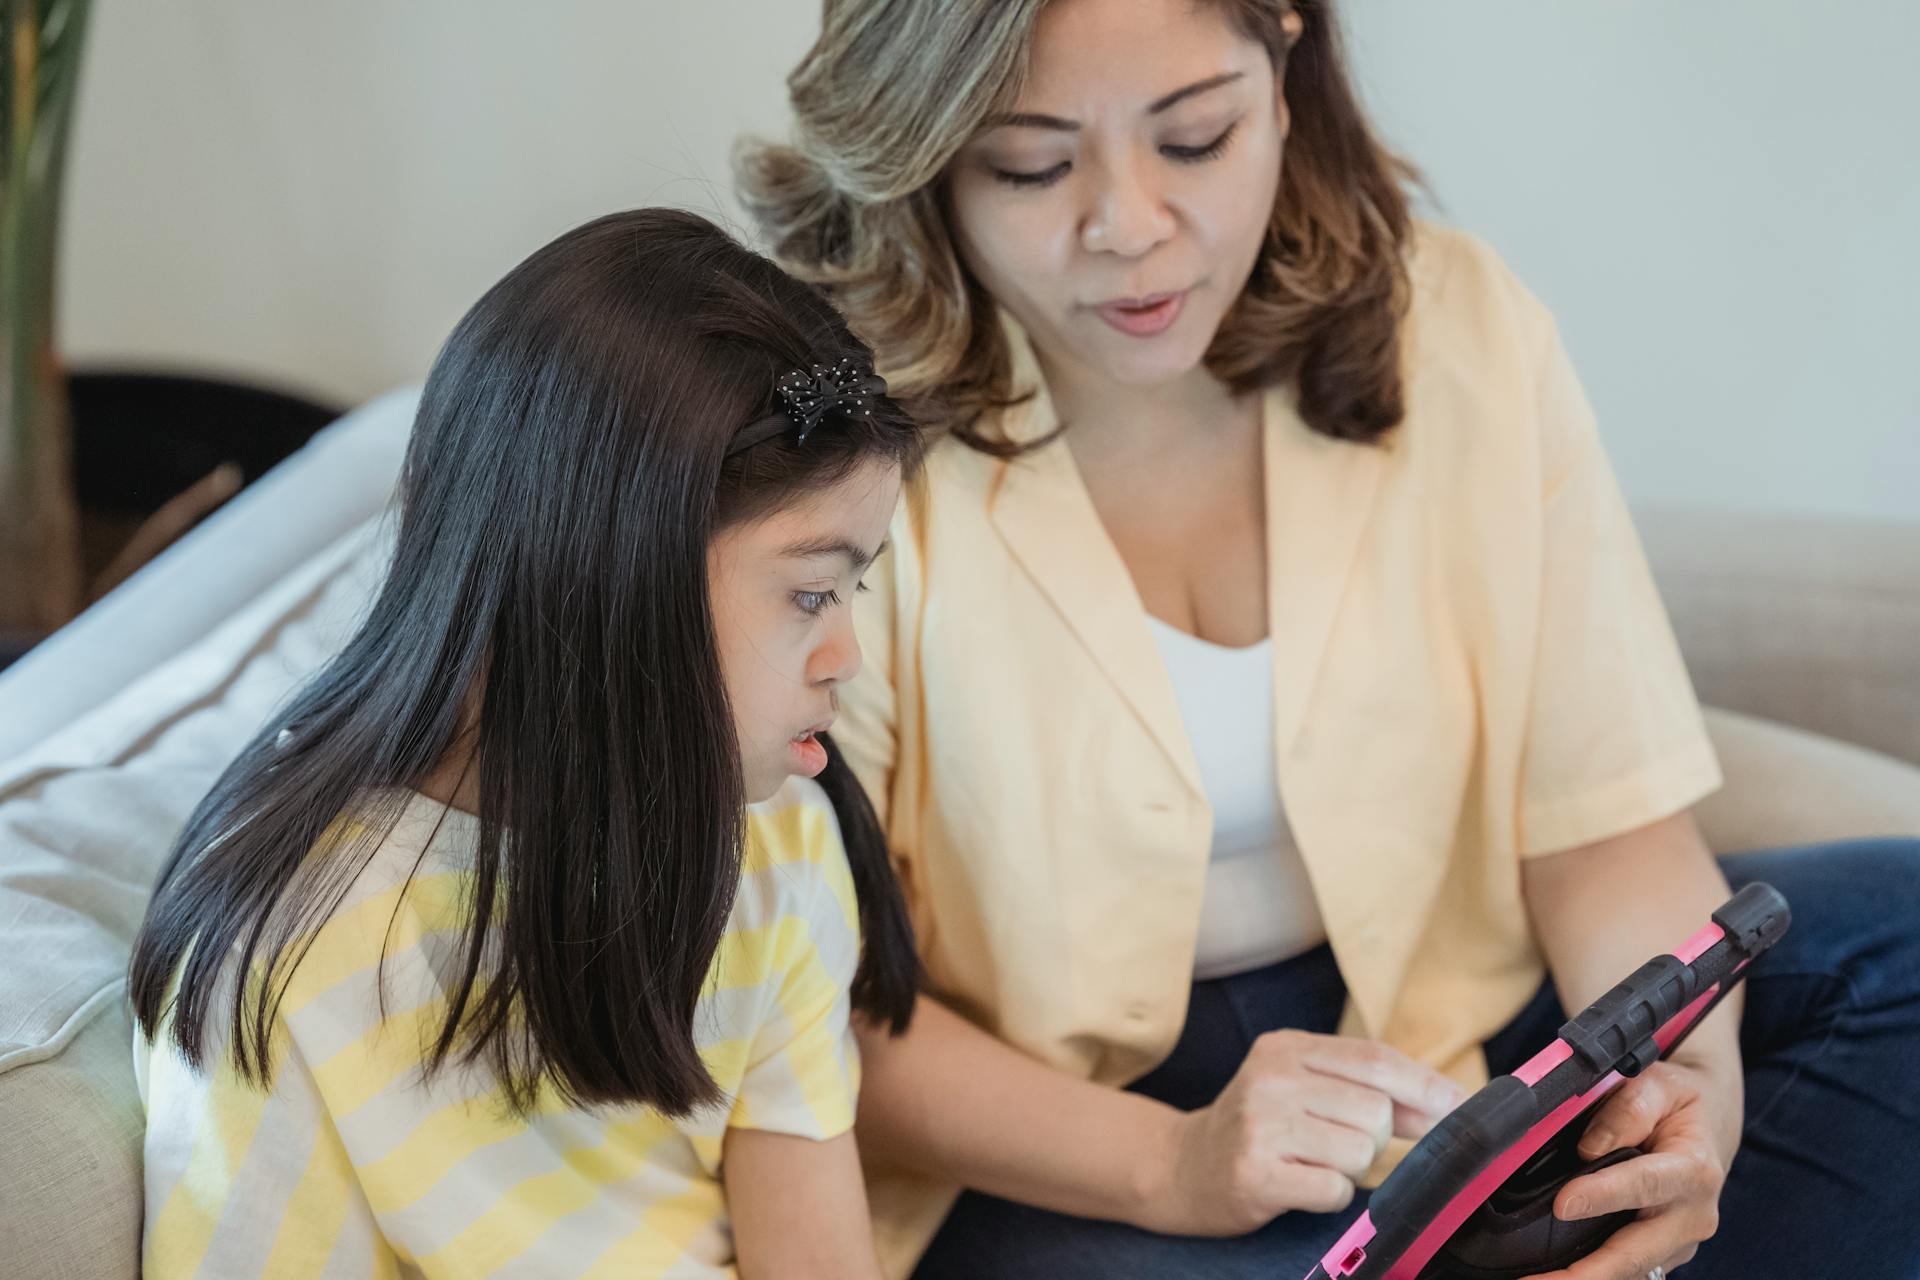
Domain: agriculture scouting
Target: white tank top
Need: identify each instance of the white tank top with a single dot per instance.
(1259, 907)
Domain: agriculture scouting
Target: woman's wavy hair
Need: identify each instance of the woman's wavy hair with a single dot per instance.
(547, 605)
(891, 91)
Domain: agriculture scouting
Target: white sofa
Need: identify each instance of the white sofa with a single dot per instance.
(110, 732)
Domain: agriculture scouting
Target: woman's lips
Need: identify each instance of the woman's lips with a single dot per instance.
(1143, 317)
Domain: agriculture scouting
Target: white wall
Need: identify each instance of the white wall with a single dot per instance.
(315, 192)
(1721, 199)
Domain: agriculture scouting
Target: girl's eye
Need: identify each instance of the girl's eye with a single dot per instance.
(1207, 152)
(1042, 178)
(815, 603)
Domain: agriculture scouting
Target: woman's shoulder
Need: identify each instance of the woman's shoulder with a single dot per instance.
(1463, 297)
(1481, 356)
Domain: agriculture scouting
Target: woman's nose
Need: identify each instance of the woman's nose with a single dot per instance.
(1129, 215)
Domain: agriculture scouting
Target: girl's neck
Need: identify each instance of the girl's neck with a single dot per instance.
(452, 783)
(455, 778)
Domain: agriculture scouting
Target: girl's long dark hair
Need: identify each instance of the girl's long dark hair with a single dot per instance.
(547, 608)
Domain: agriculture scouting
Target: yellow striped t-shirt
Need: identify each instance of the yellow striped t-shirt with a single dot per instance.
(351, 1166)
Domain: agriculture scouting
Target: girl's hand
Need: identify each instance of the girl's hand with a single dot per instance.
(1688, 1121)
(1301, 1121)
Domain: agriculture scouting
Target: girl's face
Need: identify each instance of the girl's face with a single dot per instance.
(1117, 211)
(782, 589)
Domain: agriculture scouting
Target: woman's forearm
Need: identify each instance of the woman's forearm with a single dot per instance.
(949, 1100)
(1600, 911)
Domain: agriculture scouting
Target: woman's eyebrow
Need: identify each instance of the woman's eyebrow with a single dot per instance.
(1197, 87)
(1035, 120)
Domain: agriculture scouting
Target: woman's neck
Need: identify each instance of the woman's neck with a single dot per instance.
(1115, 421)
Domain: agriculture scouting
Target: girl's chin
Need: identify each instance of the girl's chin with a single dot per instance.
(763, 787)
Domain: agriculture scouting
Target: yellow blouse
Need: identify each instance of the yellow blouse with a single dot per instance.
(1471, 667)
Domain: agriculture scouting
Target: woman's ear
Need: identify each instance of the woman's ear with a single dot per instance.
(1292, 27)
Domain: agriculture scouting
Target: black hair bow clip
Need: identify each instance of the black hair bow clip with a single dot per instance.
(807, 396)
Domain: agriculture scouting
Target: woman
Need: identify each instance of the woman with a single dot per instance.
(1267, 654)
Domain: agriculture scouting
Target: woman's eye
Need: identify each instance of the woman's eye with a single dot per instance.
(1206, 152)
(1039, 178)
(1025, 178)
(815, 603)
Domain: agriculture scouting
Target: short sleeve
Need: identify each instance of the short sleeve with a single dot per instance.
(803, 1073)
(1614, 734)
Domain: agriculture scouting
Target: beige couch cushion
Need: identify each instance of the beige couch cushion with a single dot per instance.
(1790, 787)
(1805, 621)
(85, 821)
(70, 1128)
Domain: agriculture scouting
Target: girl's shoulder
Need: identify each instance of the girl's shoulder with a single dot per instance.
(408, 865)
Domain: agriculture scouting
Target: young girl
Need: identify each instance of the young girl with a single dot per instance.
(524, 941)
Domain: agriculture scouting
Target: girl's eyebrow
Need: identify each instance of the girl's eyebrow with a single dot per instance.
(814, 548)
(1034, 120)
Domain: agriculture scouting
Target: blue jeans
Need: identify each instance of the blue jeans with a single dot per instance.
(1827, 1181)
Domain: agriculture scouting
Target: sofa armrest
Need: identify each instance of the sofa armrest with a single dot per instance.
(341, 477)
(1810, 622)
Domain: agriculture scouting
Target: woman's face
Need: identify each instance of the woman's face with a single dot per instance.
(1117, 211)
(782, 590)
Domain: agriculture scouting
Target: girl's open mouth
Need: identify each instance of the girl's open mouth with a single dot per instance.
(806, 754)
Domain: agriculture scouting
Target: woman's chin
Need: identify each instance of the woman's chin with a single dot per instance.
(1148, 370)
(1144, 364)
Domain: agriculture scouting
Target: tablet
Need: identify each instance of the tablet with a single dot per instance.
(1473, 1200)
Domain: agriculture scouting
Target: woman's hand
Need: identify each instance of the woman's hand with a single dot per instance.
(1301, 1121)
(1688, 1119)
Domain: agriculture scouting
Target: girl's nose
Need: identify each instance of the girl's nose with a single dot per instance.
(837, 660)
